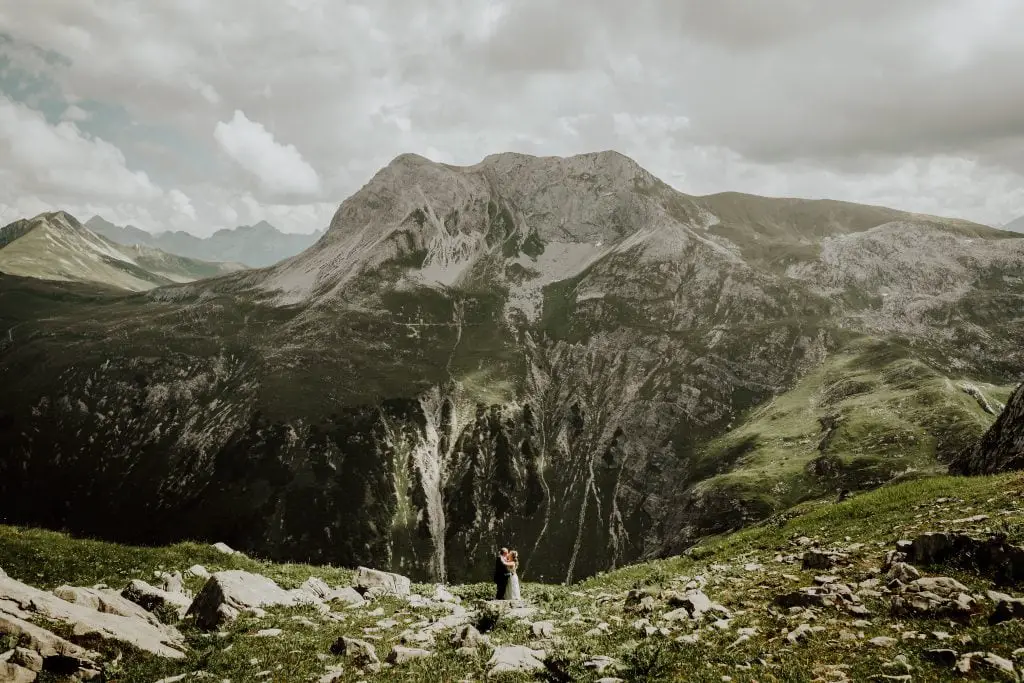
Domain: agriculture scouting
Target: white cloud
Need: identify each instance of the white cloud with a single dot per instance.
(50, 161)
(914, 103)
(181, 203)
(279, 168)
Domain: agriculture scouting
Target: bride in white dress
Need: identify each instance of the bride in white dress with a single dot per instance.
(512, 592)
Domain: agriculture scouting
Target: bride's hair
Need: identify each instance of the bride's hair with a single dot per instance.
(514, 555)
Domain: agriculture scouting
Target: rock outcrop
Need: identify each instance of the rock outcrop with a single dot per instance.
(1002, 447)
(155, 599)
(382, 582)
(20, 602)
(227, 594)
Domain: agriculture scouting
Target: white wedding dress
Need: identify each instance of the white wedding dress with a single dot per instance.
(513, 588)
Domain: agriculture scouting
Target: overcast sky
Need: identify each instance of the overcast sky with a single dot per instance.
(198, 115)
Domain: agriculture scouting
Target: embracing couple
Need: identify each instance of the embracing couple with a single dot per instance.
(505, 577)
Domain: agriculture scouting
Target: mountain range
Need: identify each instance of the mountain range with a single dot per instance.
(55, 246)
(564, 355)
(256, 245)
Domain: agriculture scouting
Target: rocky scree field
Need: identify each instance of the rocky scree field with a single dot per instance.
(561, 354)
(916, 581)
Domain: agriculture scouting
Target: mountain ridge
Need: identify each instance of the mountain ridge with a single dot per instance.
(537, 349)
(226, 244)
(55, 246)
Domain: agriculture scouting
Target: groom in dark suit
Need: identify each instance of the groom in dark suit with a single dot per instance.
(501, 573)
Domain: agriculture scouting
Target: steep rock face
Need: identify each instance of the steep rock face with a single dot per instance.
(531, 352)
(1002, 447)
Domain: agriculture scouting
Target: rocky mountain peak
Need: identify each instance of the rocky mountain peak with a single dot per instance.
(60, 220)
(444, 221)
(607, 167)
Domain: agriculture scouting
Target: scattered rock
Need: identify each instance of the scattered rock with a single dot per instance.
(172, 582)
(543, 629)
(935, 597)
(899, 663)
(515, 658)
(269, 632)
(57, 654)
(882, 641)
(227, 594)
(599, 663)
(902, 572)
(333, 674)
(29, 659)
(104, 600)
(198, 571)
(318, 588)
(442, 594)
(225, 548)
(360, 652)
(799, 634)
(348, 595)
(823, 559)
(1007, 607)
(400, 654)
(395, 584)
(20, 603)
(12, 673)
(490, 612)
(988, 662)
(697, 604)
(641, 602)
(153, 599)
(468, 636)
(992, 556)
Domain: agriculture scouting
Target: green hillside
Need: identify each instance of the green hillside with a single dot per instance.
(609, 615)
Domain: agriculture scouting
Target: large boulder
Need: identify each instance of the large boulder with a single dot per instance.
(992, 556)
(320, 590)
(1001, 449)
(157, 600)
(935, 597)
(401, 654)
(172, 582)
(384, 582)
(515, 659)
(229, 593)
(104, 600)
(13, 673)
(19, 601)
(41, 650)
(361, 653)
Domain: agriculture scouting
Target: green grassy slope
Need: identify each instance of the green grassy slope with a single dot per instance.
(870, 413)
(743, 571)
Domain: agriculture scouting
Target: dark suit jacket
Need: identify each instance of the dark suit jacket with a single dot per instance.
(501, 572)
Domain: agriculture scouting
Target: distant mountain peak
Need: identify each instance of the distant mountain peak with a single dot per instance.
(56, 246)
(1016, 225)
(256, 246)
